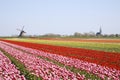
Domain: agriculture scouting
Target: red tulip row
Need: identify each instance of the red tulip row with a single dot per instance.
(111, 60)
(83, 65)
(40, 67)
(8, 71)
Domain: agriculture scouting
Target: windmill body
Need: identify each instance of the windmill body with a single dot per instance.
(21, 33)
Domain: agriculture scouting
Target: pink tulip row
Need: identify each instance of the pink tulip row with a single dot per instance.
(8, 71)
(40, 67)
(101, 71)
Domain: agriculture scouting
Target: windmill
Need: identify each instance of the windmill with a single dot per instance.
(21, 32)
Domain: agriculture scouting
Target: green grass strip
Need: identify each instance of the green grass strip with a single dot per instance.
(21, 67)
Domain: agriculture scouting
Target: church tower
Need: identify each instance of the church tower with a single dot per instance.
(100, 32)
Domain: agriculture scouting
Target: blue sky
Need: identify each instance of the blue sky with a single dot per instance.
(59, 16)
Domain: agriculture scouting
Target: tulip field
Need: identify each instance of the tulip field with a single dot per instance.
(31, 59)
(8, 71)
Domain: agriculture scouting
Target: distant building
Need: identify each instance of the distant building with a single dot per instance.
(99, 33)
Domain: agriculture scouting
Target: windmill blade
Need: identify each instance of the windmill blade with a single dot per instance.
(18, 29)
